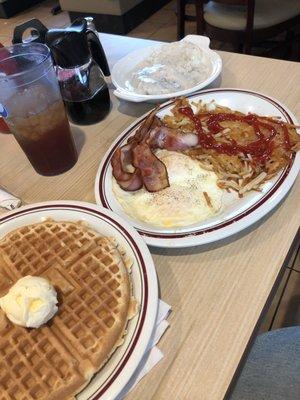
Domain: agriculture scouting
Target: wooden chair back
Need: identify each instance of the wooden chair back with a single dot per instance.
(250, 7)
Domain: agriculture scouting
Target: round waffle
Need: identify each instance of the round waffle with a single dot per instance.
(91, 276)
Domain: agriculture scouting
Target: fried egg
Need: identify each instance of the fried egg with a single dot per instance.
(193, 195)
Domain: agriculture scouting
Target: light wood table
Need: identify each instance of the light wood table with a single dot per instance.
(217, 292)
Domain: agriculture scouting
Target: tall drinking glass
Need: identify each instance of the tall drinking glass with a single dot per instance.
(3, 126)
(31, 104)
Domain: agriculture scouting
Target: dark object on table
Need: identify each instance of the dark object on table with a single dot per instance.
(272, 369)
(80, 65)
(243, 22)
(56, 9)
(37, 29)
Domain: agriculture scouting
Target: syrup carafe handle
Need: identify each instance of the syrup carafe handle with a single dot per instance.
(95, 46)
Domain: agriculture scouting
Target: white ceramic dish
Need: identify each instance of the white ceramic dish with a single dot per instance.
(237, 213)
(123, 67)
(112, 378)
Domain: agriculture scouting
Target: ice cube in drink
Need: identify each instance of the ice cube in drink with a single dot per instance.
(38, 120)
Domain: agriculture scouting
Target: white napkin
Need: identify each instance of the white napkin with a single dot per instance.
(153, 355)
(7, 200)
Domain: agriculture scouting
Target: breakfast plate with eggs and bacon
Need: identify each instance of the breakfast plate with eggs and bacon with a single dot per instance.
(201, 168)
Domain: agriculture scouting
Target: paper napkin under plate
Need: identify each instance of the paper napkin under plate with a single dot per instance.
(153, 354)
(8, 201)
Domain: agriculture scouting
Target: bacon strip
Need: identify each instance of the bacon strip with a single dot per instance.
(134, 164)
(126, 157)
(129, 181)
(134, 183)
(171, 139)
(153, 171)
(149, 123)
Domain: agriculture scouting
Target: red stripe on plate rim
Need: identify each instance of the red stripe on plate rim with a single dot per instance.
(159, 235)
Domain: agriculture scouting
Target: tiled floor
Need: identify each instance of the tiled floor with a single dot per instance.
(41, 11)
(285, 308)
(154, 28)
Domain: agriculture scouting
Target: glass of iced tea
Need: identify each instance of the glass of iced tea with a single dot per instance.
(31, 104)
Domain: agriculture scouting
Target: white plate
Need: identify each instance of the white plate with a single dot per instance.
(237, 213)
(123, 67)
(112, 378)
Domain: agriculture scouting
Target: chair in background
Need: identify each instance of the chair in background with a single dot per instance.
(242, 22)
(182, 17)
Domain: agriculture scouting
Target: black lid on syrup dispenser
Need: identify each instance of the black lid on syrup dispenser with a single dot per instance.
(69, 46)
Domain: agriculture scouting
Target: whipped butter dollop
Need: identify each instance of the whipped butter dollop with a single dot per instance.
(30, 302)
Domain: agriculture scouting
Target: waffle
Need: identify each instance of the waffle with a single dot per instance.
(90, 275)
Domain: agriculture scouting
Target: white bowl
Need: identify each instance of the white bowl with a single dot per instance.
(123, 67)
